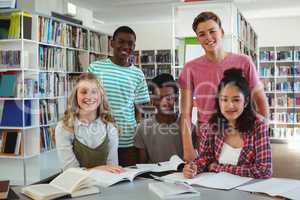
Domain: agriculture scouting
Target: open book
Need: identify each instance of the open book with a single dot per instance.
(171, 165)
(106, 179)
(74, 182)
(283, 187)
(171, 190)
(221, 180)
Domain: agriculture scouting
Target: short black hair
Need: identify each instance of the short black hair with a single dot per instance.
(123, 29)
(245, 122)
(165, 80)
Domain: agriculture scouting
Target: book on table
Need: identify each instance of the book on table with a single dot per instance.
(171, 165)
(106, 179)
(167, 190)
(4, 188)
(73, 182)
(282, 187)
(221, 180)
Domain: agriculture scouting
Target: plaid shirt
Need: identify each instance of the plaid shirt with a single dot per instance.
(254, 160)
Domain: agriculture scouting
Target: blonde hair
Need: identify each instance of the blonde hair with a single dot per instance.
(72, 110)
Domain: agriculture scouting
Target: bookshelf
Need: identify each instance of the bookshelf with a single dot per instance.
(279, 70)
(39, 54)
(152, 62)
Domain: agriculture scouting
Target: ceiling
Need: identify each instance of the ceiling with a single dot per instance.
(139, 11)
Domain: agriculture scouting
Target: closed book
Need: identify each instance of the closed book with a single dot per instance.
(173, 191)
(4, 188)
(10, 142)
(7, 84)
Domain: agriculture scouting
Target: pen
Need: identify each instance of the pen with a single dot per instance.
(192, 165)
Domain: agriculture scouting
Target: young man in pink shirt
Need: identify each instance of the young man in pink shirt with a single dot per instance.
(201, 76)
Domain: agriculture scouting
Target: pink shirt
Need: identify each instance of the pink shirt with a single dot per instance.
(203, 76)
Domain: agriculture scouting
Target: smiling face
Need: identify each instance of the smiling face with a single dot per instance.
(231, 102)
(88, 97)
(123, 46)
(165, 100)
(209, 35)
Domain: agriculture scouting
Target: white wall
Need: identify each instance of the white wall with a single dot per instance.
(150, 35)
(277, 31)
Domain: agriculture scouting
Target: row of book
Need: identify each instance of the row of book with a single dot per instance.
(279, 71)
(11, 23)
(285, 117)
(149, 72)
(288, 100)
(10, 59)
(10, 142)
(161, 70)
(279, 55)
(47, 138)
(51, 84)
(51, 58)
(77, 61)
(288, 86)
(285, 133)
(54, 32)
(246, 33)
(48, 111)
(99, 42)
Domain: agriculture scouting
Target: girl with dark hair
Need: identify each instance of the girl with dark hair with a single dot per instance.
(234, 140)
(200, 77)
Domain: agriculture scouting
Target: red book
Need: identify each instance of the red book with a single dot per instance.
(4, 188)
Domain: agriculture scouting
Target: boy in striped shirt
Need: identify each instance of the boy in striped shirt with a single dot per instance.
(125, 88)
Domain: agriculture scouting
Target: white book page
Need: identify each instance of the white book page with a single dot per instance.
(69, 179)
(43, 191)
(170, 190)
(221, 180)
(104, 178)
(273, 186)
(147, 166)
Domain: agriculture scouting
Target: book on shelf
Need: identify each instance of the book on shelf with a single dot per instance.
(282, 187)
(73, 182)
(171, 165)
(8, 83)
(9, 108)
(10, 141)
(221, 180)
(4, 188)
(106, 179)
(165, 190)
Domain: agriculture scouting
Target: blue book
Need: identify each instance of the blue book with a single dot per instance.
(7, 85)
(12, 113)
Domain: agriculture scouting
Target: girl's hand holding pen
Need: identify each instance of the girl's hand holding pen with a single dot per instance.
(190, 170)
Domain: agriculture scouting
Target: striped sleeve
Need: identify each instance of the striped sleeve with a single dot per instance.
(141, 93)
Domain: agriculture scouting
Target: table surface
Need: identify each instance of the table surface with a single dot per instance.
(138, 189)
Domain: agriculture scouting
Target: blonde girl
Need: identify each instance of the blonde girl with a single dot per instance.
(87, 137)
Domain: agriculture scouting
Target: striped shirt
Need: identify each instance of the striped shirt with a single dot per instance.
(124, 87)
(255, 159)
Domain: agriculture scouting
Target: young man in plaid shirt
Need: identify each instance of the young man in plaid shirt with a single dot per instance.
(234, 140)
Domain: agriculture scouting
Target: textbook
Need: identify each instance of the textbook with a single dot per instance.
(171, 165)
(283, 187)
(106, 179)
(4, 188)
(73, 182)
(221, 180)
(173, 191)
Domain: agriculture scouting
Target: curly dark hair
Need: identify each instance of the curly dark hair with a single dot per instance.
(245, 122)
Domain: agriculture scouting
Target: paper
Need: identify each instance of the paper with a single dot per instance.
(275, 187)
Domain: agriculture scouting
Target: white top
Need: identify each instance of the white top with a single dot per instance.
(91, 135)
(229, 155)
